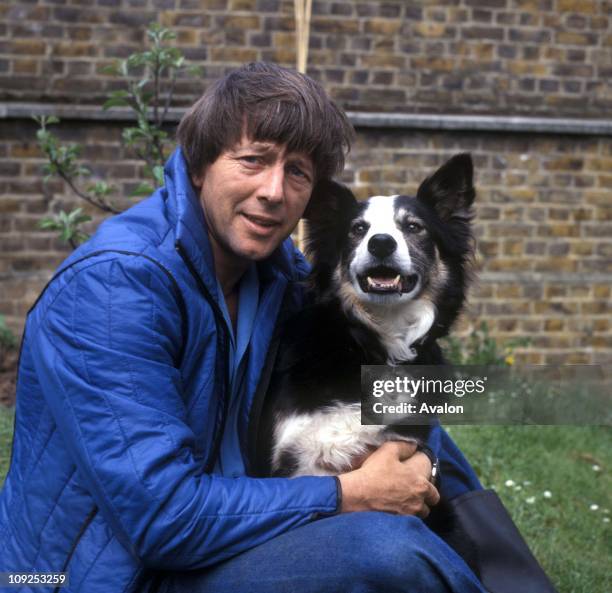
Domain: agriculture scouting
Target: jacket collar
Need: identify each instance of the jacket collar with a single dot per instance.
(191, 231)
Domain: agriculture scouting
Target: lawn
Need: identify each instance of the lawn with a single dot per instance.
(554, 480)
(6, 432)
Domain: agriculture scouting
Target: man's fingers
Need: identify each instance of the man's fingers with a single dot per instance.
(432, 496)
(424, 512)
(420, 463)
(402, 449)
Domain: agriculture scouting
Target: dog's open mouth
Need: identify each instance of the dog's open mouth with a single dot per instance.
(383, 279)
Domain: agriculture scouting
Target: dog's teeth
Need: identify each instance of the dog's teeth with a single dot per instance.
(385, 284)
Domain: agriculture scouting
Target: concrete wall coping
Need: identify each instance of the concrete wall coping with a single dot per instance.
(415, 121)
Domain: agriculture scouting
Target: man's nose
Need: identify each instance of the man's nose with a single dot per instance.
(273, 182)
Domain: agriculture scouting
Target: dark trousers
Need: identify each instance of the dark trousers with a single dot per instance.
(348, 553)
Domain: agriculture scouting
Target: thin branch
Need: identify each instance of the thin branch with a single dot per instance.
(156, 89)
(169, 97)
(145, 157)
(102, 205)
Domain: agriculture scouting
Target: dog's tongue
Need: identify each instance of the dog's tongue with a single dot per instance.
(384, 283)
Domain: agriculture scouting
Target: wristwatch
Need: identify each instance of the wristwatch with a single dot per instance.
(435, 462)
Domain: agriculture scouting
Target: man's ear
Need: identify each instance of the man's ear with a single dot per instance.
(328, 198)
(197, 180)
(450, 190)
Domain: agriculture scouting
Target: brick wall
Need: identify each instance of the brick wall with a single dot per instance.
(544, 201)
(486, 56)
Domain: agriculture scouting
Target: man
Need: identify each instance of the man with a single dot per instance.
(138, 369)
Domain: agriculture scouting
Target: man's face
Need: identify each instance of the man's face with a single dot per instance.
(253, 196)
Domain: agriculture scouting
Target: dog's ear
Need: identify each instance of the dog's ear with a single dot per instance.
(450, 190)
(328, 217)
(328, 197)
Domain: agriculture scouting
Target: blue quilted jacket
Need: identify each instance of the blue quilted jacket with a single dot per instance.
(121, 405)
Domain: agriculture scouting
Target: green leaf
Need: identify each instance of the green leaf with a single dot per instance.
(112, 69)
(143, 189)
(118, 102)
(101, 189)
(48, 223)
(136, 60)
(83, 171)
(158, 175)
(195, 70)
(123, 67)
(8, 340)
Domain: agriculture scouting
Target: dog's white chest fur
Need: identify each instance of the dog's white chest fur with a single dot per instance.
(329, 441)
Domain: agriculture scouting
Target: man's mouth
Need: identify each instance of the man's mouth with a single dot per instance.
(261, 221)
(383, 280)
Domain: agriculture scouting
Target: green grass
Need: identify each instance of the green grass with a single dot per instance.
(6, 435)
(570, 540)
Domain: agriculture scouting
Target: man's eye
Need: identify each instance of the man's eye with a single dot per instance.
(250, 159)
(295, 170)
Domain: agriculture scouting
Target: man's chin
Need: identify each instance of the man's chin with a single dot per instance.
(256, 251)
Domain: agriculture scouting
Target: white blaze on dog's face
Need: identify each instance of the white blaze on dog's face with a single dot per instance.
(381, 268)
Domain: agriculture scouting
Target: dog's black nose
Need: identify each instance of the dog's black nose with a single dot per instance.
(382, 245)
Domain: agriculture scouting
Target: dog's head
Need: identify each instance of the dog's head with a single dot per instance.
(389, 251)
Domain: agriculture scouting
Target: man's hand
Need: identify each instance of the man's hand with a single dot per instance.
(394, 479)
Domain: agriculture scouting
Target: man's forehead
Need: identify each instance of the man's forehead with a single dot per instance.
(268, 146)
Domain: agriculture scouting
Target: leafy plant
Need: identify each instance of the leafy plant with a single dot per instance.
(68, 226)
(149, 97)
(481, 349)
(62, 161)
(8, 341)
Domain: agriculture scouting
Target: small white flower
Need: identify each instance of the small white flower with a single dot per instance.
(509, 483)
(596, 468)
(526, 483)
(594, 507)
(530, 500)
(606, 519)
(547, 494)
(606, 512)
(517, 488)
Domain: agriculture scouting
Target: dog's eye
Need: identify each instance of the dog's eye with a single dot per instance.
(413, 227)
(360, 228)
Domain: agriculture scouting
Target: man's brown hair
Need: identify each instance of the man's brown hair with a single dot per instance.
(269, 103)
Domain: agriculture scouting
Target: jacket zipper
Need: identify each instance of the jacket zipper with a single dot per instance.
(223, 341)
(88, 520)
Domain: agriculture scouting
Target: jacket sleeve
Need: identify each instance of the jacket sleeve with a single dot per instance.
(105, 351)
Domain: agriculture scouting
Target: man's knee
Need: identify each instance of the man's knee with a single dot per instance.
(390, 551)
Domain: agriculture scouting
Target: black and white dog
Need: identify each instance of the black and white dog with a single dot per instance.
(389, 278)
